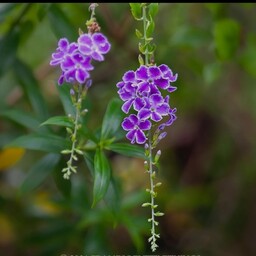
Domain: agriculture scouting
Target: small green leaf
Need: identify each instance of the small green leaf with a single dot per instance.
(60, 121)
(153, 9)
(112, 119)
(136, 10)
(102, 173)
(127, 150)
(138, 34)
(141, 60)
(39, 172)
(41, 142)
(150, 28)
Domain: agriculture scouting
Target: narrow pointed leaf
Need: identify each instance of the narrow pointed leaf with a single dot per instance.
(60, 121)
(22, 118)
(127, 150)
(31, 88)
(112, 119)
(41, 142)
(102, 175)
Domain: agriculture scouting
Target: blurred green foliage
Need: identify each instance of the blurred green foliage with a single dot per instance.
(208, 164)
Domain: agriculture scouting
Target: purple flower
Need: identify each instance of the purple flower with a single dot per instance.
(135, 128)
(129, 94)
(156, 107)
(94, 45)
(141, 90)
(76, 68)
(64, 49)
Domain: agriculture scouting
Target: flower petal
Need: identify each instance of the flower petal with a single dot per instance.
(171, 88)
(138, 104)
(81, 75)
(163, 109)
(142, 73)
(145, 125)
(127, 124)
(129, 76)
(154, 72)
(140, 137)
(144, 113)
(156, 117)
(162, 83)
(97, 56)
(85, 39)
(63, 44)
(127, 105)
(131, 135)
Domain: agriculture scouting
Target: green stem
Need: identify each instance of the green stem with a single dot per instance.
(78, 105)
(144, 18)
(154, 236)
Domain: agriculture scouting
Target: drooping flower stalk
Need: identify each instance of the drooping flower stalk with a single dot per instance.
(75, 60)
(141, 90)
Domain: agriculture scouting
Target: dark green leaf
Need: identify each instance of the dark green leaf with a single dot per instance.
(31, 88)
(150, 28)
(8, 48)
(64, 92)
(62, 184)
(153, 9)
(112, 119)
(38, 173)
(127, 149)
(136, 10)
(60, 121)
(226, 36)
(23, 118)
(61, 25)
(102, 173)
(42, 142)
(89, 160)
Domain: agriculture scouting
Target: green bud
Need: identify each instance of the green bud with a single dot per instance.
(146, 204)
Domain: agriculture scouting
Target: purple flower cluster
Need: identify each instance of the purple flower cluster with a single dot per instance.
(75, 58)
(141, 90)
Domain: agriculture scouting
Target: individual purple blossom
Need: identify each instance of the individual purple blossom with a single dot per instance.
(156, 107)
(76, 68)
(136, 128)
(64, 49)
(94, 45)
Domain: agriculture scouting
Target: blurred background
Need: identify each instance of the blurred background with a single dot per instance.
(208, 163)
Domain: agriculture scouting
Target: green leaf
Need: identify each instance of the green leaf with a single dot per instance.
(64, 92)
(62, 184)
(60, 121)
(112, 119)
(153, 9)
(8, 48)
(138, 34)
(127, 150)
(39, 172)
(61, 25)
(226, 36)
(102, 175)
(23, 118)
(89, 160)
(41, 142)
(136, 10)
(31, 88)
(150, 28)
